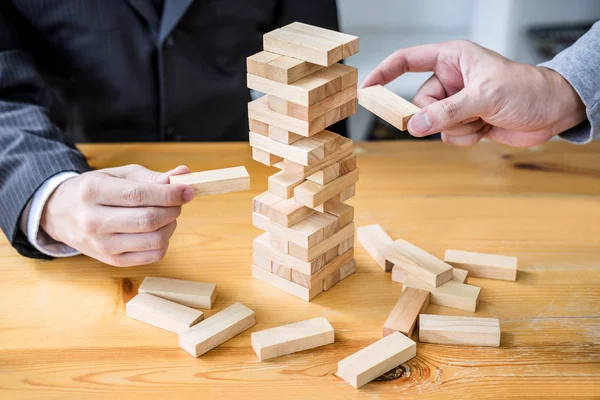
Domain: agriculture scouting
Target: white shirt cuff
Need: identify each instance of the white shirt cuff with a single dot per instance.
(32, 214)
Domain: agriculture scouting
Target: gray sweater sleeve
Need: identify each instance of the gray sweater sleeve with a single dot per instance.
(580, 66)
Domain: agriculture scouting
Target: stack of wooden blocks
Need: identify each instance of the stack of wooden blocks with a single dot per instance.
(308, 244)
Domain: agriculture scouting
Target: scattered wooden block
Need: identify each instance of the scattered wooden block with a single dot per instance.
(451, 294)
(262, 246)
(279, 68)
(162, 313)
(350, 44)
(374, 239)
(189, 293)
(303, 47)
(403, 317)
(483, 265)
(216, 181)
(304, 171)
(312, 194)
(290, 287)
(292, 338)
(387, 105)
(259, 127)
(217, 329)
(460, 275)
(418, 262)
(262, 262)
(470, 331)
(310, 253)
(312, 112)
(367, 364)
(288, 212)
(282, 184)
(348, 269)
(398, 274)
(264, 157)
(281, 135)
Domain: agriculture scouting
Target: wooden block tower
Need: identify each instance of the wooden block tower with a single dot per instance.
(308, 244)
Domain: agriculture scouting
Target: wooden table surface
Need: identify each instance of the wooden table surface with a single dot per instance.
(64, 333)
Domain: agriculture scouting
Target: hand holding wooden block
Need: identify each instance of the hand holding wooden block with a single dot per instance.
(216, 181)
(387, 105)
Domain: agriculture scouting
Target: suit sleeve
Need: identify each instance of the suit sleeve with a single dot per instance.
(32, 145)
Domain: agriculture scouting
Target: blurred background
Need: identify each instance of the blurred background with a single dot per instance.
(528, 31)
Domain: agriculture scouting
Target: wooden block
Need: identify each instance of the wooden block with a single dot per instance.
(347, 164)
(290, 287)
(387, 105)
(309, 254)
(189, 293)
(292, 338)
(314, 111)
(264, 157)
(259, 127)
(325, 175)
(305, 151)
(306, 233)
(279, 68)
(349, 43)
(483, 265)
(348, 74)
(398, 274)
(217, 329)
(312, 194)
(281, 270)
(369, 363)
(469, 331)
(259, 110)
(348, 193)
(162, 313)
(306, 91)
(303, 47)
(374, 239)
(329, 222)
(331, 280)
(451, 294)
(282, 184)
(262, 262)
(418, 262)
(263, 202)
(288, 212)
(318, 277)
(344, 212)
(300, 278)
(216, 181)
(346, 245)
(331, 254)
(347, 269)
(263, 245)
(282, 135)
(335, 201)
(405, 313)
(278, 243)
(460, 275)
(304, 171)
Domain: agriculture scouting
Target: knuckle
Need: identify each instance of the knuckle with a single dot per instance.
(90, 224)
(158, 241)
(449, 108)
(89, 187)
(147, 220)
(135, 196)
(104, 247)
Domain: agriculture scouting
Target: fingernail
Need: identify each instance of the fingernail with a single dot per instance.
(419, 124)
(188, 194)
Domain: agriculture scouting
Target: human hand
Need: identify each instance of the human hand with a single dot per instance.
(476, 93)
(121, 216)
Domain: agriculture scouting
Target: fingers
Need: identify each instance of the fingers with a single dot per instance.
(519, 139)
(465, 140)
(130, 220)
(412, 59)
(138, 258)
(430, 92)
(137, 242)
(141, 174)
(463, 129)
(109, 191)
(445, 114)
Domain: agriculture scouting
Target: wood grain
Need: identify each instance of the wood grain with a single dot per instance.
(64, 333)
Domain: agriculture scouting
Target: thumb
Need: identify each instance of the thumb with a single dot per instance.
(444, 114)
(142, 174)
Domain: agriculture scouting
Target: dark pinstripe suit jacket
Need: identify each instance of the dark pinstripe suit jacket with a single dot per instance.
(115, 70)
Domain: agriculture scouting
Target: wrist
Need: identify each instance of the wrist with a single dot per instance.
(52, 212)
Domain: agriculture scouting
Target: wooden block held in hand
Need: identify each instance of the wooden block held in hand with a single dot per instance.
(405, 313)
(387, 105)
(374, 239)
(189, 293)
(483, 265)
(292, 338)
(451, 294)
(217, 329)
(367, 364)
(469, 331)
(162, 313)
(418, 262)
(216, 181)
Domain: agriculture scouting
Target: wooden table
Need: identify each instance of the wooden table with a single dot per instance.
(64, 332)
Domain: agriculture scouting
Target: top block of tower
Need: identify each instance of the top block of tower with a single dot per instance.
(310, 43)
